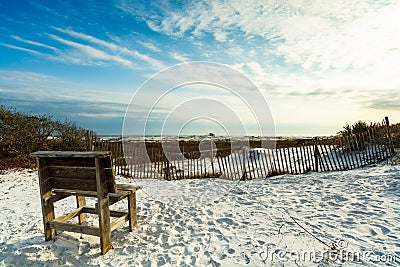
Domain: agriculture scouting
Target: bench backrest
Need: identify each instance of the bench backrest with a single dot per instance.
(75, 170)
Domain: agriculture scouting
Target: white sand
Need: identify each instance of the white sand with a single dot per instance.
(242, 227)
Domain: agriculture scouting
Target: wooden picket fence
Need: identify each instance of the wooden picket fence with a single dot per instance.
(319, 154)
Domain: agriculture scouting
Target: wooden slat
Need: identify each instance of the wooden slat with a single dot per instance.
(68, 216)
(264, 163)
(274, 164)
(310, 156)
(53, 198)
(316, 156)
(355, 154)
(45, 190)
(303, 155)
(113, 213)
(366, 149)
(104, 207)
(373, 150)
(327, 157)
(294, 160)
(73, 184)
(300, 158)
(70, 192)
(332, 156)
(132, 211)
(73, 172)
(70, 162)
(283, 162)
(287, 159)
(128, 187)
(356, 138)
(339, 155)
(220, 172)
(343, 153)
(81, 202)
(281, 169)
(118, 222)
(70, 154)
(70, 227)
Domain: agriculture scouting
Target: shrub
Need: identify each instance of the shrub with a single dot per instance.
(22, 134)
(357, 128)
(354, 135)
(395, 128)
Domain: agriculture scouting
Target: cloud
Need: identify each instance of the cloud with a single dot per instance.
(385, 100)
(154, 63)
(22, 49)
(33, 43)
(88, 53)
(179, 57)
(296, 46)
(24, 76)
(150, 46)
(33, 86)
(87, 50)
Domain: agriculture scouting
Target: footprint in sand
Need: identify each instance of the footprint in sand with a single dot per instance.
(225, 221)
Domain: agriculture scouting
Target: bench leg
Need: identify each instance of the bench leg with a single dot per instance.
(81, 202)
(104, 224)
(132, 211)
(48, 215)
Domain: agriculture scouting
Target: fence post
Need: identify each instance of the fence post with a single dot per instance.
(89, 140)
(244, 174)
(212, 160)
(167, 170)
(316, 154)
(390, 136)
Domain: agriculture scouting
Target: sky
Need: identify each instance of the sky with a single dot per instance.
(317, 64)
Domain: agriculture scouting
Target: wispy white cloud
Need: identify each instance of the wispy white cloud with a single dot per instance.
(150, 46)
(92, 54)
(179, 57)
(25, 76)
(35, 88)
(87, 50)
(154, 63)
(33, 43)
(22, 49)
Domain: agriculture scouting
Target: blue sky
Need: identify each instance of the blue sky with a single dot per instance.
(318, 64)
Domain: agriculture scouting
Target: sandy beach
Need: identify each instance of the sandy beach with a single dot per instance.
(284, 220)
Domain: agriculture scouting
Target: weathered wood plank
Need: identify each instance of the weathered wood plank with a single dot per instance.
(73, 172)
(130, 187)
(71, 154)
(69, 192)
(70, 227)
(70, 162)
(73, 184)
(104, 207)
(69, 216)
(119, 222)
(132, 210)
(81, 202)
(113, 213)
(343, 154)
(45, 190)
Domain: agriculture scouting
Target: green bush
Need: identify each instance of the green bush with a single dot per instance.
(22, 134)
(395, 129)
(357, 128)
(356, 135)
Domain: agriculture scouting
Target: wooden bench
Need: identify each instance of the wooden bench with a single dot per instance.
(83, 174)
